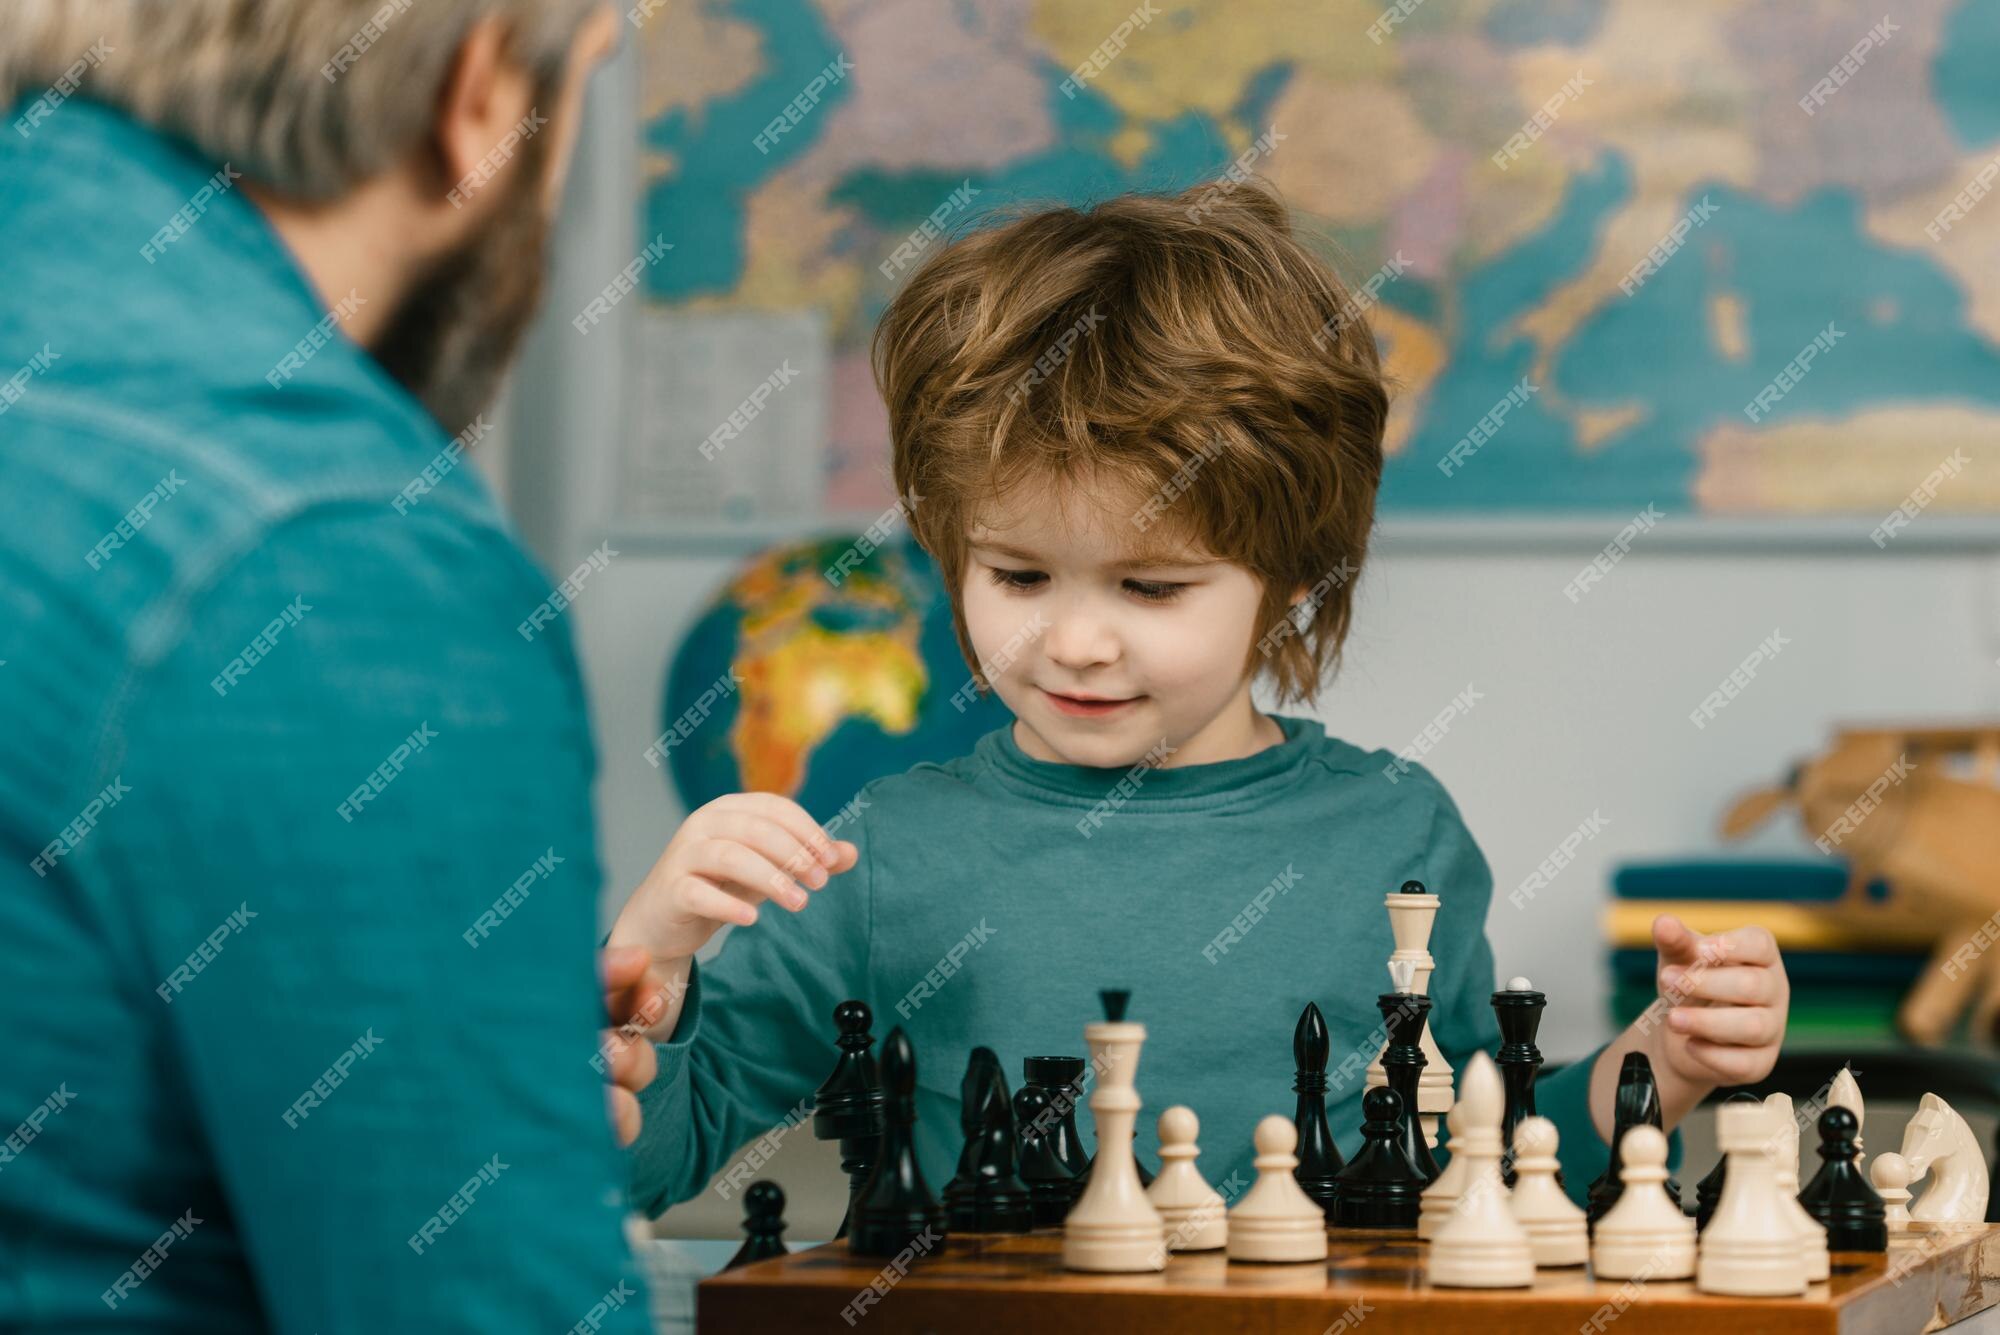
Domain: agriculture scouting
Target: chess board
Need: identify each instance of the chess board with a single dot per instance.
(1377, 1280)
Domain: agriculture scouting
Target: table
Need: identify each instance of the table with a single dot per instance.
(1930, 1278)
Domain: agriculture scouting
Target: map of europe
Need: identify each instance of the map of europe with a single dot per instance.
(1731, 258)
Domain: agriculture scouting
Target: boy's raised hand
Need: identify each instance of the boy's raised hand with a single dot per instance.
(727, 859)
(1726, 998)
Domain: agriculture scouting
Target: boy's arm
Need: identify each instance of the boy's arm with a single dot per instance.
(754, 1039)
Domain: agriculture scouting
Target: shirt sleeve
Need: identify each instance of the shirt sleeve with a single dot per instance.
(755, 1037)
(1462, 985)
(362, 799)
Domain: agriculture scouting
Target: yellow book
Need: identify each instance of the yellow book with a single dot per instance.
(1872, 928)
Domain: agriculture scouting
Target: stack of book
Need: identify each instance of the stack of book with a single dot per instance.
(1850, 957)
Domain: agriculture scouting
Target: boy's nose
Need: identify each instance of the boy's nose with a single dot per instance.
(1079, 638)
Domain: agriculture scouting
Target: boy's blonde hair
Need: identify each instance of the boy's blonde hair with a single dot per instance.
(1188, 350)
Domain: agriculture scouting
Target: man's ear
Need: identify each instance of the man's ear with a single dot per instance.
(483, 97)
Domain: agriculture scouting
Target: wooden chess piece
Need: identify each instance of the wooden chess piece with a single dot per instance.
(1059, 1082)
(1412, 913)
(848, 1107)
(1403, 1014)
(1380, 1187)
(1275, 1220)
(1644, 1235)
(1637, 1101)
(1838, 1197)
(1846, 1091)
(1319, 1157)
(1482, 1245)
(1440, 1198)
(1051, 1185)
(973, 1089)
(1113, 1227)
(1192, 1211)
(1557, 1232)
(1114, 1002)
(1937, 1141)
(1518, 1009)
(763, 1223)
(1891, 1179)
(1785, 1157)
(1709, 1190)
(1749, 1248)
(999, 1202)
(896, 1210)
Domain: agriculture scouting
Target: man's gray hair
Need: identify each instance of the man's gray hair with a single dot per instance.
(308, 97)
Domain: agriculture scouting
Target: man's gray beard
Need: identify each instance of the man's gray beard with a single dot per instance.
(451, 339)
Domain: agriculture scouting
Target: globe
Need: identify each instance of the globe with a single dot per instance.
(845, 668)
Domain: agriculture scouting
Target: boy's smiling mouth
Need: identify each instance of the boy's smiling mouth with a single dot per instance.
(1088, 706)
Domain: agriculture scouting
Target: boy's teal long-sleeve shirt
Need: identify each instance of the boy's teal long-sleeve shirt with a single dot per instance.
(272, 746)
(996, 894)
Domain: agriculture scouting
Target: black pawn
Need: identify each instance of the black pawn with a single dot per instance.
(1002, 1203)
(1838, 1196)
(896, 1209)
(1319, 1158)
(1520, 1017)
(973, 1089)
(1403, 1015)
(1709, 1190)
(1380, 1187)
(848, 1107)
(1051, 1183)
(764, 1222)
(1638, 1100)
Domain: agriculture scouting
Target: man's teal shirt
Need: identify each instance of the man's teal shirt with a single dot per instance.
(272, 745)
(996, 894)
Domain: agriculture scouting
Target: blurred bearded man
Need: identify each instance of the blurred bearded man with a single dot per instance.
(297, 860)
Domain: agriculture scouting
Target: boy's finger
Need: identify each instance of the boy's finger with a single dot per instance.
(619, 967)
(1742, 1026)
(746, 870)
(798, 822)
(1674, 940)
(634, 1062)
(1729, 1063)
(625, 1117)
(1748, 945)
(1736, 985)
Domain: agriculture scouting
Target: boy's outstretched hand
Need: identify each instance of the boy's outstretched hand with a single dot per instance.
(1724, 999)
(1719, 1021)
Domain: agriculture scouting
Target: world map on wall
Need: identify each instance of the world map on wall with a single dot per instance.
(1725, 258)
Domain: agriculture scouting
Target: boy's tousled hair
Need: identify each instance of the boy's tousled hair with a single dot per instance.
(1186, 349)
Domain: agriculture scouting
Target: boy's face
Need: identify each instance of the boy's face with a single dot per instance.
(1065, 606)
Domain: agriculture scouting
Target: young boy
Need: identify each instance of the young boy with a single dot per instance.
(1143, 443)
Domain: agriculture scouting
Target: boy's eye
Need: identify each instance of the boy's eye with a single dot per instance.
(1150, 590)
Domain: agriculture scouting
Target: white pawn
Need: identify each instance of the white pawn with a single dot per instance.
(1557, 1230)
(1891, 1176)
(1812, 1233)
(1482, 1245)
(1749, 1247)
(1276, 1220)
(1440, 1198)
(1644, 1235)
(1191, 1209)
